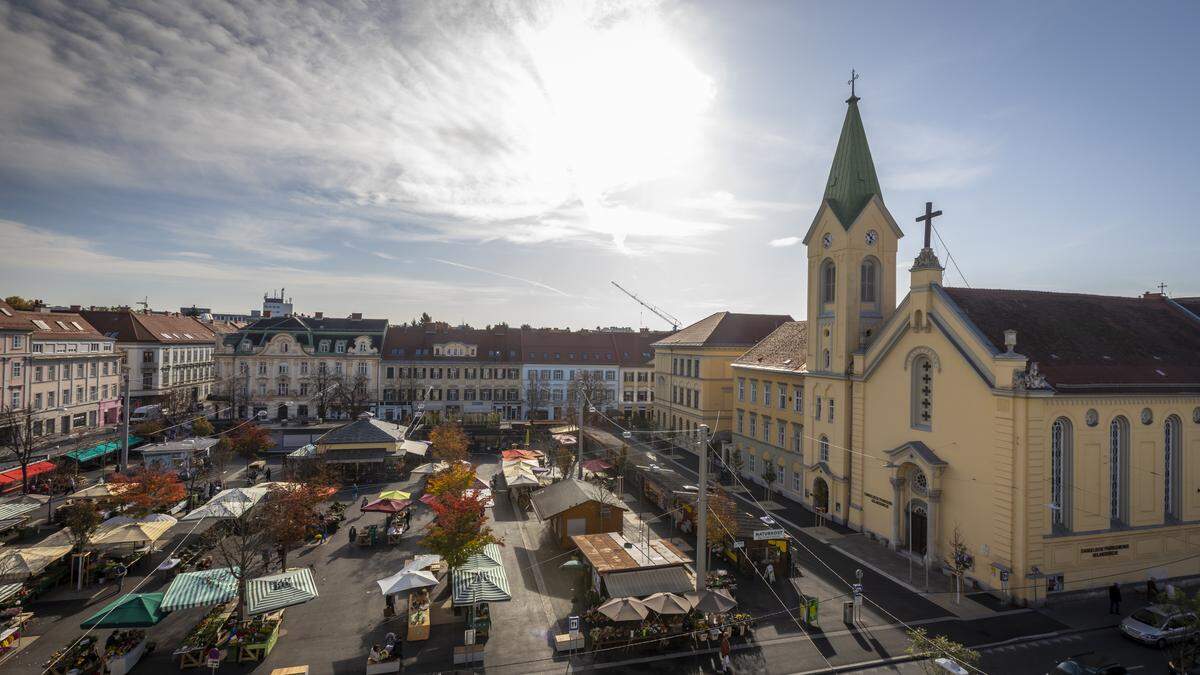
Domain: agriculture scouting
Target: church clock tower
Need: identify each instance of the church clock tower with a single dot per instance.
(851, 292)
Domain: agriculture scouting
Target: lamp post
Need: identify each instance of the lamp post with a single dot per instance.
(702, 516)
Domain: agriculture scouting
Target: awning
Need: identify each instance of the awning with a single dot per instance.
(640, 583)
(276, 591)
(15, 510)
(22, 563)
(355, 456)
(101, 450)
(126, 530)
(14, 475)
(488, 557)
(199, 589)
(483, 585)
(564, 439)
(521, 454)
(138, 610)
(418, 448)
(229, 503)
(9, 590)
(567, 429)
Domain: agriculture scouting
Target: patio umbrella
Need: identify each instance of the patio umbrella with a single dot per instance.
(126, 530)
(387, 505)
(470, 587)
(429, 468)
(406, 579)
(422, 561)
(624, 609)
(137, 610)
(198, 589)
(395, 494)
(231, 503)
(712, 602)
(21, 563)
(276, 591)
(427, 498)
(668, 603)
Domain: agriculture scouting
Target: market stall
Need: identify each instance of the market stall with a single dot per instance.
(266, 598)
(230, 503)
(480, 581)
(130, 613)
(127, 532)
(205, 635)
(752, 543)
(80, 657)
(12, 626)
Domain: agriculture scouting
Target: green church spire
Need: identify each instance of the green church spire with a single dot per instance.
(852, 179)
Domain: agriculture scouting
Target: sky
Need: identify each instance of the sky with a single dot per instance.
(504, 161)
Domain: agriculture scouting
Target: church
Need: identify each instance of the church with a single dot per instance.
(1049, 442)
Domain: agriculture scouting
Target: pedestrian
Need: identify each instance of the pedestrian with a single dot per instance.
(390, 600)
(363, 505)
(1151, 590)
(120, 572)
(726, 662)
(1114, 598)
(770, 573)
(268, 473)
(356, 491)
(353, 533)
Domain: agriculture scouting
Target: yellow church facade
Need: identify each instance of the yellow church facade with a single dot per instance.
(1054, 437)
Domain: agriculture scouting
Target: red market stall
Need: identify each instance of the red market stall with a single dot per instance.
(11, 479)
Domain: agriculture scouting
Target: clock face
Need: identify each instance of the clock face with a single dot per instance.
(827, 240)
(872, 236)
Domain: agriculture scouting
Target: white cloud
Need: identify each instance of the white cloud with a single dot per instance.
(784, 241)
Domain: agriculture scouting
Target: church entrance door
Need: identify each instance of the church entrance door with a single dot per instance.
(821, 496)
(918, 527)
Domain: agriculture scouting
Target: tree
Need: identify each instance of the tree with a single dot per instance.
(960, 560)
(926, 649)
(769, 475)
(449, 442)
(736, 461)
(17, 440)
(81, 520)
(240, 545)
(353, 396)
(17, 302)
(322, 388)
(221, 453)
(149, 428)
(149, 490)
(722, 518)
(459, 529)
(563, 458)
(288, 513)
(596, 391)
(251, 440)
(455, 479)
(202, 427)
(537, 394)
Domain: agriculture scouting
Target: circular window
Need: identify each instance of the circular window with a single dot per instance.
(1147, 416)
(920, 483)
(1092, 418)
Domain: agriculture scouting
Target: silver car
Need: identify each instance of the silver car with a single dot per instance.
(1159, 625)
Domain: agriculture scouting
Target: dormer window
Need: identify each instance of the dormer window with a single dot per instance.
(340, 347)
(324, 346)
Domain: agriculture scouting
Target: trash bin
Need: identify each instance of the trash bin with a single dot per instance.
(848, 612)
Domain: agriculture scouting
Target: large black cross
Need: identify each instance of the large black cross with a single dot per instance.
(930, 214)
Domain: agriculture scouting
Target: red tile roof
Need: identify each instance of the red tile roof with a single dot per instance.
(785, 348)
(726, 329)
(129, 326)
(1092, 343)
(58, 325)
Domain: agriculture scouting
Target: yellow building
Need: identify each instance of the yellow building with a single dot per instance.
(1058, 434)
(693, 379)
(768, 416)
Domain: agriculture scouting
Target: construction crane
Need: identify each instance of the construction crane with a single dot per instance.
(658, 312)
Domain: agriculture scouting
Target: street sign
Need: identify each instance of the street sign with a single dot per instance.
(777, 533)
(573, 623)
(1004, 576)
(739, 544)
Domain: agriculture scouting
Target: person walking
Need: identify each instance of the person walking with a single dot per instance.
(770, 573)
(726, 662)
(353, 533)
(1151, 590)
(1114, 598)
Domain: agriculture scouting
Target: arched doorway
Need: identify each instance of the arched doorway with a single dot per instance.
(282, 413)
(917, 527)
(820, 496)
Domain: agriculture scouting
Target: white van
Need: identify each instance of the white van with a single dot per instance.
(146, 413)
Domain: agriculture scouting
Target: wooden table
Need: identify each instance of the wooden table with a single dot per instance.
(418, 624)
(291, 670)
(464, 654)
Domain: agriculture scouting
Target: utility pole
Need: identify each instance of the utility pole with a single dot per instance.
(702, 517)
(125, 419)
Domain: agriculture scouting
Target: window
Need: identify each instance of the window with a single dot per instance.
(754, 391)
(741, 389)
(304, 389)
(752, 464)
(781, 432)
(304, 367)
(741, 419)
(922, 393)
(823, 449)
(828, 281)
(817, 408)
(283, 369)
(868, 284)
(1060, 474)
(797, 438)
(827, 359)
(37, 401)
(830, 410)
(767, 429)
(782, 396)
(16, 369)
(753, 425)
(282, 389)
(797, 481)
(767, 394)
(798, 399)
(340, 347)
(1171, 469)
(1118, 470)
(323, 346)
(18, 341)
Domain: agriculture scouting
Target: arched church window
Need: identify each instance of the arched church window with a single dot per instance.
(827, 360)
(1060, 473)
(869, 281)
(1171, 468)
(823, 449)
(922, 393)
(1118, 470)
(828, 281)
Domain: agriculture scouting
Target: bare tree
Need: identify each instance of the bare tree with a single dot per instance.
(596, 391)
(243, 545)
(17, 440)
(537, 394)
(322, 388)
(353, 395)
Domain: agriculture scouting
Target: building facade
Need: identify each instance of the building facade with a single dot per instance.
(1049, 442)
(693, 376)
(170, 357)
(300, 367)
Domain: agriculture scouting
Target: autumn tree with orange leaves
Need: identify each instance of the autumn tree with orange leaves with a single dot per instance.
(289, 511)
(459, 529)
(453, 480)
(251, 440)
(450, 442)
(149, 490)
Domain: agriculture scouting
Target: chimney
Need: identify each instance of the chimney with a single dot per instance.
(357, 316)
(1010, 340)
(318, 315)
(76, 308)
(1148, 295)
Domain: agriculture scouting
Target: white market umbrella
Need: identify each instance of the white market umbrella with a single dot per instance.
(126, 530)
(430, 468)
(422, 561)
(625, 609)
(668, 603)
(231, 503)
(406, 580)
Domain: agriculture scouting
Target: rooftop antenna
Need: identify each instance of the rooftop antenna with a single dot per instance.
(145, 303)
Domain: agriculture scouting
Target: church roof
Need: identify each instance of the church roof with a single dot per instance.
(1092, 343)
(725, 329)
(852, 179)
(786, 348)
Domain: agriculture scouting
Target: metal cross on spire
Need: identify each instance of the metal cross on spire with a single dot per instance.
(930, 214)
(853, 77)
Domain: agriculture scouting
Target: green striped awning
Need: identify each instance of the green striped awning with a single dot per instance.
(198, 589)
(276, 591)
(482, 585)
(488, 557)
(97, 451)
(9, 590)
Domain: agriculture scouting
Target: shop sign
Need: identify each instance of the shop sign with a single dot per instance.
(1103, 551)
(777, 533)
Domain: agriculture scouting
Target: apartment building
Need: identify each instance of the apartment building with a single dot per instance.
(693, 376)
(768, 413)
(61, 370)
(299, 366)
(170, 356)
(450, 371)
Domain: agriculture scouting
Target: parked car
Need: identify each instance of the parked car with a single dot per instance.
(1090, 664)
(1159, 625)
